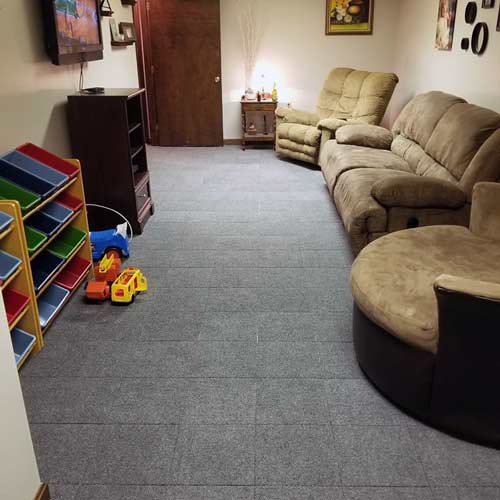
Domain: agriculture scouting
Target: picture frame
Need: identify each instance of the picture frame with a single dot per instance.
(447, 14)
(352, 17)
(116, 36)
(128, 32)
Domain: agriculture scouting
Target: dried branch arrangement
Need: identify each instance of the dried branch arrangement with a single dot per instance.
(251, 34)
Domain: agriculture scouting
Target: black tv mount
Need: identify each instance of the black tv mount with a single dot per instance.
(106, 8)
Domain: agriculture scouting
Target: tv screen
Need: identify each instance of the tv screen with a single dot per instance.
(73, 30)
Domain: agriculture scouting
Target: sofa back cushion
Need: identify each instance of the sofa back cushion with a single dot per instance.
(360, 95)
(441, 135)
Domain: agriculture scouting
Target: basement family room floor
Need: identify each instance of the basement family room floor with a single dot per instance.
(234, 378)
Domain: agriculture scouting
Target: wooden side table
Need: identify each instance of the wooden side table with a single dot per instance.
(258, 122)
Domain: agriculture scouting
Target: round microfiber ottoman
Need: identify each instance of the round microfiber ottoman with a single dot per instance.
(400, 313)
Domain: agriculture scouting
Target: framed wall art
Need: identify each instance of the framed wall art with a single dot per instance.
(446, 24)
(349, 17)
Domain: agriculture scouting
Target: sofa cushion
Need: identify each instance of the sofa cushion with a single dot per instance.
(369, 136)
(418, 192)
(300, 134)
(350, 93)
(441, 135)
(339, 158)
(361, 214)
(393, 278)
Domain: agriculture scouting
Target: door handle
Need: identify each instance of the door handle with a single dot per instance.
(217, 79)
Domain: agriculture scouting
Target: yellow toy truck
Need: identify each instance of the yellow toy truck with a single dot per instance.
(130, 283)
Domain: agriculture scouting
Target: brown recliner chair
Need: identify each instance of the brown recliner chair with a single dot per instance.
(348, 96)
(427, 320)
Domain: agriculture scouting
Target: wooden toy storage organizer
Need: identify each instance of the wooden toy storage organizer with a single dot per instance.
(13, 241)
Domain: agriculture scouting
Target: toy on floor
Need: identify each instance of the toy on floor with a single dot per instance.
(113, 241)
(105, 272)
(130, 283)
(109, 281)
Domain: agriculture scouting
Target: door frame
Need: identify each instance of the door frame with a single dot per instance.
(145, 68)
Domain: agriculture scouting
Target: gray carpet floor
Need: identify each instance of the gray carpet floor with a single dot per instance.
(234, 377)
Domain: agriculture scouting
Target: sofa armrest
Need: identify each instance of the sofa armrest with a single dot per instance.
(291, 115)
(370, 136)
(413, 191)
(467, 359)
(474, 288)
(485, 215)
(332, 124)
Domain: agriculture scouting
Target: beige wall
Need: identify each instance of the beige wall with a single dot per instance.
(33, 91)
(296, 53)
(19, 478)
(422, 67)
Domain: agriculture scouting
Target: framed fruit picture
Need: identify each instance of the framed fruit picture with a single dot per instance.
(349, 17)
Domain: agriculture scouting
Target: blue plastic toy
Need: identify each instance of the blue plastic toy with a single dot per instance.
(111, 240)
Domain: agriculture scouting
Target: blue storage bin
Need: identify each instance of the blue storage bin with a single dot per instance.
(57, 211)
(44, 223)
(34, 167)
(23, 179)
(5, 220)
(22, 343)
(43, 268)
(8, 265)
(50, 302)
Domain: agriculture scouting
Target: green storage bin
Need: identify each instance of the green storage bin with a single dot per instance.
(64, 245)
(11, 191)
(34, 238)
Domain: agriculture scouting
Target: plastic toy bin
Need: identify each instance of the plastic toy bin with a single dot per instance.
(22, 342)
(34, 167)
(35, 239)
(15, 303)
(49, 159)
(43, 268)
(71, 275)
(69, 201)
(50, 302)
(44, 223)
(25, 179)
(8, 265)
(10, 191)
(5, 220)
(66, 243)
(57, 211)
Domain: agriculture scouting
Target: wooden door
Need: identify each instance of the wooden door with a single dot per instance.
(186, 66)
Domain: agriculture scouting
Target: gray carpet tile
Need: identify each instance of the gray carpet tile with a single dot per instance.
(296, 455)
(397, 493)
(63, 491)
(374, 455)
(215, 455)
(298, 493)
(234, 377)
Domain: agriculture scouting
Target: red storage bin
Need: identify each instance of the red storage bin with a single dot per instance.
(69, 201)
(15, 302)
(73, 273)
(48, 159)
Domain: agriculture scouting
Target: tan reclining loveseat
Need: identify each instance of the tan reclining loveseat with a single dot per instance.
(421, 174)
(348, 96)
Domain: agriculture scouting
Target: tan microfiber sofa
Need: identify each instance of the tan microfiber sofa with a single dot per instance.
(427, 319)
(348, 96)
(421, 174)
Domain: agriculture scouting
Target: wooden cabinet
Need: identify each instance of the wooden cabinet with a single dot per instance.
(258, 122)
(108, 136)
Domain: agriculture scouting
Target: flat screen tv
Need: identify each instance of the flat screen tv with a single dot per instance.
(73, 30)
